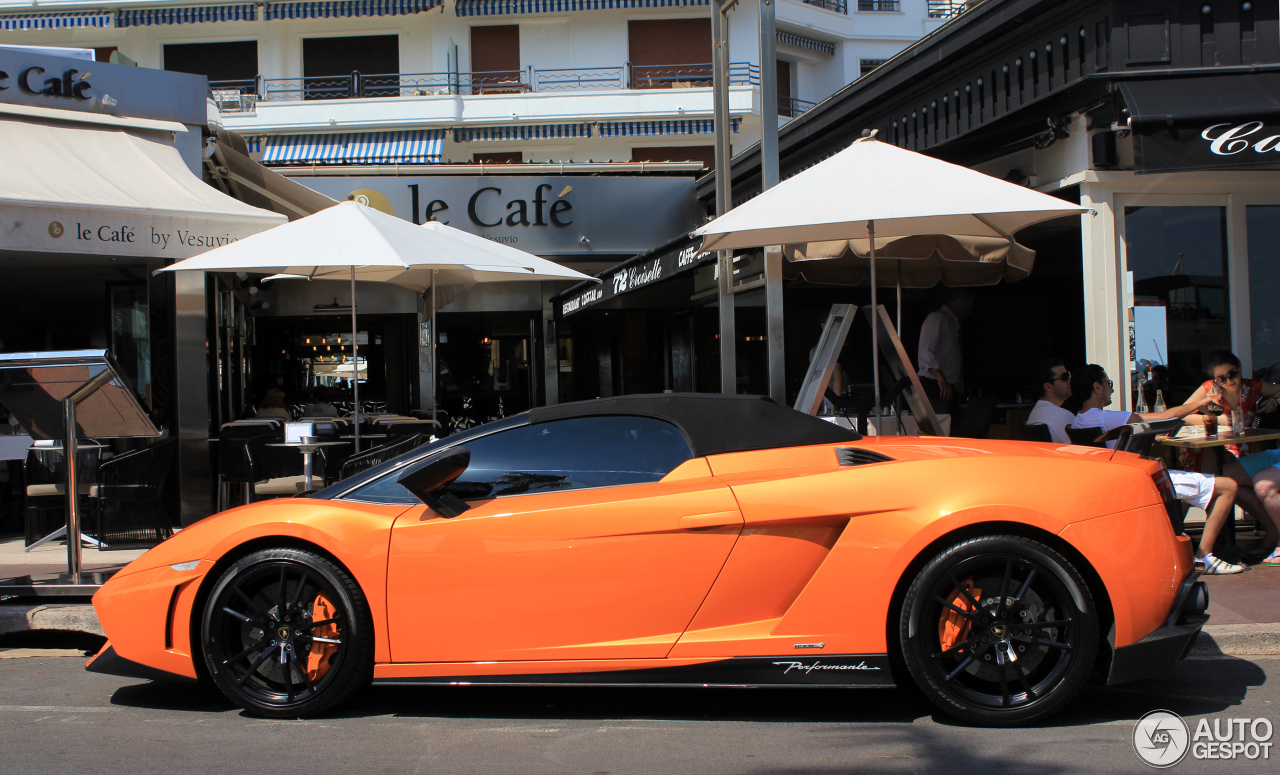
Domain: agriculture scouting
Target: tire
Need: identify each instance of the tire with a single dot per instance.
(295, 664)
(999, 658)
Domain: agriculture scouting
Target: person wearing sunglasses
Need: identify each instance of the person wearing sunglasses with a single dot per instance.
(1093, 390)
(1053, 387)
(1231, 390)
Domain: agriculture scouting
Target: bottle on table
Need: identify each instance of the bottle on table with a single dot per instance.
(1160, 407)
(1141, 408)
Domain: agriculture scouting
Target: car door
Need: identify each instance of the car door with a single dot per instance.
(586, 538)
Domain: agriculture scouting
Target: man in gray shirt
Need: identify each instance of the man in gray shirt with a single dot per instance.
(941, 367)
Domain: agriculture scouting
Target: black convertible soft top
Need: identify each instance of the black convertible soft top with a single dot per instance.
(713, 423)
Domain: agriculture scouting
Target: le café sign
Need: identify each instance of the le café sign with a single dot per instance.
(1243, 144)
(69, 84)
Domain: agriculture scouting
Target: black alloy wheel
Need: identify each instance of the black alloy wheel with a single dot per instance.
(287, 634)
(999, 631)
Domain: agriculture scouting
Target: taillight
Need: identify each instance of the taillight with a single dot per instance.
(1172, 506)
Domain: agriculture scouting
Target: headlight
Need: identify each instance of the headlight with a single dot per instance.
(185, 566)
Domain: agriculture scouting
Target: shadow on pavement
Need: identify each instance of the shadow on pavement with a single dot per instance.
(164, 695)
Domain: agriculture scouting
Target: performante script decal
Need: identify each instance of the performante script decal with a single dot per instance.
(816, 665)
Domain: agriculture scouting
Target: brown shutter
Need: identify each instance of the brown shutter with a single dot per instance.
(667, 53)
(784, 88)
(498, 157)
(495, 58)
(703, 153)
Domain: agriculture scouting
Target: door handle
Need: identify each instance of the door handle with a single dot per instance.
(715, 519)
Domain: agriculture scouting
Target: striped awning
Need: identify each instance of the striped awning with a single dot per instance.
(534, 132)
(49, 21)
(792, 39)
(422, 146)
(688, 126)
(509, 7)
(147, 17)
(341, 9)
(254, 143)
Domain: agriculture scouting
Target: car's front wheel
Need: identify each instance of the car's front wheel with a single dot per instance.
(999, 630)
(287, 633)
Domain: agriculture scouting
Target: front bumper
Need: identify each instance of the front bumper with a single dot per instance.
(107, 661)
(1157, 653)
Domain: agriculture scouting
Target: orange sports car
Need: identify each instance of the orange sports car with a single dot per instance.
(679, 540)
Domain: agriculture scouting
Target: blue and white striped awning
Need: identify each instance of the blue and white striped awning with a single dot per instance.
(687, 126)
(533, 132)
(508, 7)
(254, 142)
(422, 146)
(147, 17)
(49, 21)
(341, 9)
(792, 39)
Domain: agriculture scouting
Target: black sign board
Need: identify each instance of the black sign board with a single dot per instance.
(640, 271)
(1239, 144)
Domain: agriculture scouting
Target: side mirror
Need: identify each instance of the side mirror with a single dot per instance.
(429, 482)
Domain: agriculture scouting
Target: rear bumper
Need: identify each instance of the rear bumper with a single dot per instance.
(109, 662)
(1157, 653)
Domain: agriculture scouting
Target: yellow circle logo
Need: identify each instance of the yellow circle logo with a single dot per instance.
(370, 198)
(56, 230)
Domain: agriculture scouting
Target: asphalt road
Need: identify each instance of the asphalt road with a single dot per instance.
(56, 718)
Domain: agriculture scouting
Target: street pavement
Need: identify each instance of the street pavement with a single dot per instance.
(56, 718)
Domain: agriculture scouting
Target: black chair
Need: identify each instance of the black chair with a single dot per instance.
(233, 465)
(379, 455)
(976, 420)
(1037, 431)
(1142, 435)
(274, 472)
(1087, 437)
(399, 431)
(130, 497)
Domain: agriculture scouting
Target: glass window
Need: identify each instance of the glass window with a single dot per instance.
(1178, 257)
(563, 455)
(1263, 223)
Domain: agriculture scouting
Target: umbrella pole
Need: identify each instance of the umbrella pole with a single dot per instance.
(434, 339)
(355, 360)
(899, 315)
(875, 317)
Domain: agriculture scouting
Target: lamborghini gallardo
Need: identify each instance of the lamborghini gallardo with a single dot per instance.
(679, 540)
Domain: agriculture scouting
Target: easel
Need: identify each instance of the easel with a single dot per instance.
(822, 366)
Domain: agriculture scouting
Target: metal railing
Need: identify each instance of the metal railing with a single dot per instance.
(357, 85)
(945, 9)
(879, 5)
(790, 107)
(839, 6)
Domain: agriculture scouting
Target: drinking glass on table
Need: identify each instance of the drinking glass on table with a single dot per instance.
(1212, 411)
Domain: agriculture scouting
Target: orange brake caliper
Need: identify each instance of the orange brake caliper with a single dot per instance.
(321, 657)
(952, 627)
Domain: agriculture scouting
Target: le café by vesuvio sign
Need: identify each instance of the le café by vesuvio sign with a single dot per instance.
(1243, 144)
(630, 276)
(123, 232)
(544, 215)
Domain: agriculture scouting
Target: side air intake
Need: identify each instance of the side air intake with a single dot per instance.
(852, 456)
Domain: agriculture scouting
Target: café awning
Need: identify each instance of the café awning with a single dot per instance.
(70, 186)
(1207, 122)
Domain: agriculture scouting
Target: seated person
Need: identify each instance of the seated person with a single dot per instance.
(319, 405)
(1264, 469)
(272, 406)
(1053, 383)
(1092, 390)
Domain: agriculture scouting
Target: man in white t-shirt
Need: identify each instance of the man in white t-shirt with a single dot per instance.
(1215, 494)
(1053, 383)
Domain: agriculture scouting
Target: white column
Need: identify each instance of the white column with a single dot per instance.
(1105, 314)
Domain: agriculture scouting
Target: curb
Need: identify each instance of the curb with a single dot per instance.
(1237, 640)
(67, 617)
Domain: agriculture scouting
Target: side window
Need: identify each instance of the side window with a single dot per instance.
(570, 455)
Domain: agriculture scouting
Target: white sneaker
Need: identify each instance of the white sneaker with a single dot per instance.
(1216, 567)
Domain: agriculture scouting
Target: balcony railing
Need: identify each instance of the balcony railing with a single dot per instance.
(879, 5)
(839, 6)
(945, 9)
(790, 107)
(358, 85)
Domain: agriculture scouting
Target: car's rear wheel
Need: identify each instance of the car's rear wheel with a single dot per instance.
(287, 633)
(999, 630)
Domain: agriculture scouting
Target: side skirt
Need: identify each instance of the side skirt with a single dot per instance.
(859, 670)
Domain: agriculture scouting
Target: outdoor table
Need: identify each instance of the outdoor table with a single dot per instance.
(1193, 437)
(308, 450)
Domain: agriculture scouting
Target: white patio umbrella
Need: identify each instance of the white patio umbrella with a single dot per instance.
(354, 242)
(871, 192)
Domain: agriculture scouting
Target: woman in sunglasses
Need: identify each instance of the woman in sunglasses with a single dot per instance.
(1228, 386)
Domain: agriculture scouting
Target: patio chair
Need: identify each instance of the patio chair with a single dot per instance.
(1088, 437)
(233, 465)
(132, 513)
(1037, 431)
(976, 419)
(379, 455)
(274, 472)
(45, 503)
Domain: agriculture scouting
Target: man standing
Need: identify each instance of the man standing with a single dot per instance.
(1053, 386)
(941, 367)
